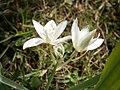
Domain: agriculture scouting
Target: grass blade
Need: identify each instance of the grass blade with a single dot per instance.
(11, 83)
(51, 77)
(110, 77)
(86, 84)
(2, 54)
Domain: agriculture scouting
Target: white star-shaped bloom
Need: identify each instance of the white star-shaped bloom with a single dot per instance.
(48, 34)
(83, 40)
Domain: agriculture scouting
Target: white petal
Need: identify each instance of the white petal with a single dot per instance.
(39, 29)
(51, 25)
(59, 29)
(32, 42)
(93, 31)
(85, 28)
(95, 45)
(75, 32)
(84, 41)
(61, 40)
(93, 40)
(84, 31)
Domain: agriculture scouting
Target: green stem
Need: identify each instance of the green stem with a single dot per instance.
(70, 59)
(51, 77)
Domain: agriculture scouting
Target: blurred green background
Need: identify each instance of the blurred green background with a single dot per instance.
(16, 28)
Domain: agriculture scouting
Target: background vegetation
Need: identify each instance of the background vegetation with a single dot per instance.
(32, 67)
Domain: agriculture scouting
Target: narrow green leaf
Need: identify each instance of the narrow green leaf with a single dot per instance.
(39, 73)
(3, 53)
(110, 77)
(4, 87)
(51, 77)
(86, 84)
(10, 24)
(11, 83)
(0, 68)
(6, 39)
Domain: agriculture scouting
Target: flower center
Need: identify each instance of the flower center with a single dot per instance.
(50, 32)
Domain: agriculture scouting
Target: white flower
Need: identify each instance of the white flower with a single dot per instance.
(83, 40)
(59, 50)
(48, 34)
